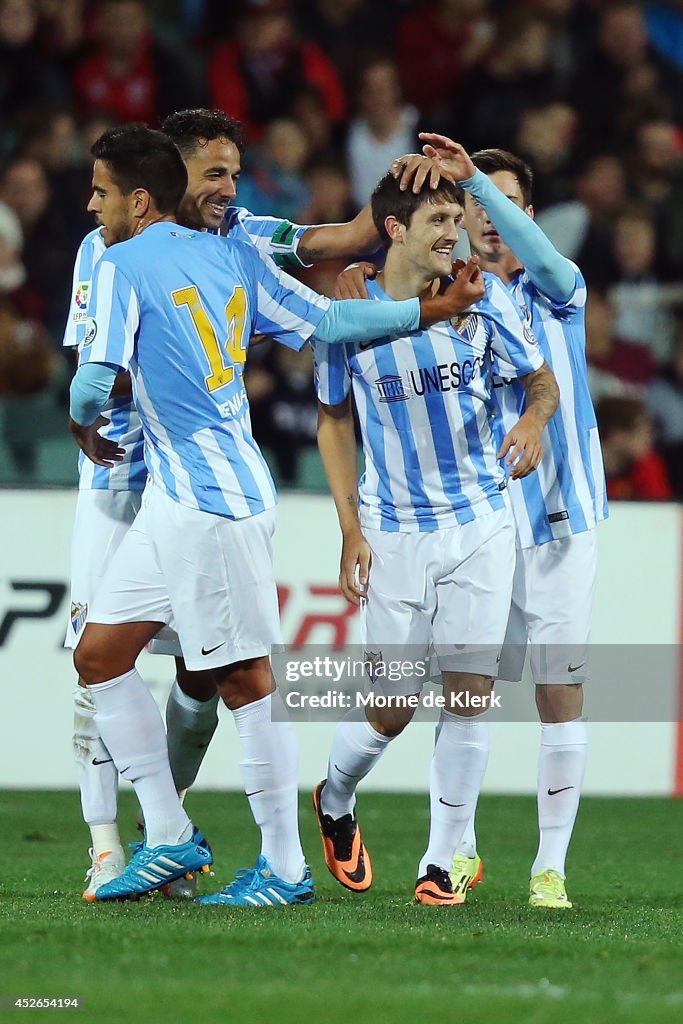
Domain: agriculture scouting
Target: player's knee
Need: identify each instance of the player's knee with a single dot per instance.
(390, 727)
(91, 662)
(245, 682)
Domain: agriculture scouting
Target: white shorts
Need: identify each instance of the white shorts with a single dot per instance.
(446, 591)
(102, 520)
(552, 604)
(208, 577)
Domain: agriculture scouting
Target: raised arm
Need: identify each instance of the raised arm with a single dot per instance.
(552, 273)
(337, 444)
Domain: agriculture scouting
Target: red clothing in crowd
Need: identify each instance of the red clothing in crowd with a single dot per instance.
(647, 481)
(130, 97)
(431, 56)
(304, 65)
(630, 362)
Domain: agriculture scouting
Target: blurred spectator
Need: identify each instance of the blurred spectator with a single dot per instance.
(642, 302)
(621, 48)
(26, 360)
(456, 35)
(546, 140)
(48, 248)
(283, 406)
(273, 181)
(615, 366)
(130, 75)
(338, 26)
(559, 16)
(62, 27)
(256, 76)
(329, 195)
(657, 160)
(634, 470)
(25, 77)
(582, 229)
(50, 135)
(516, 71)
(324, 137)
(665, 402)
(384, 128)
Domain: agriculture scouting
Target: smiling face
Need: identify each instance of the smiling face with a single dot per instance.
(426, 245)
(484, 239)
(113, 210)
(213, 170)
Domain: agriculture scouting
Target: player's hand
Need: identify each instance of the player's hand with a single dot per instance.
(100, 450)
(523, 447)
(415, 169)
(467, 287)
(351, 282)
(354, 567)
(453, 161)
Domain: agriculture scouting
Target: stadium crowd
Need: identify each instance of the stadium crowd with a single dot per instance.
(590, 93)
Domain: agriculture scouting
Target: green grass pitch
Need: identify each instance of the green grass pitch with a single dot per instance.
(618, 956)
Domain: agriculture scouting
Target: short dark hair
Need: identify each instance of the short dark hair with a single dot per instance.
(139, 157)
(491, 160)
(389, 201)
(190, 129)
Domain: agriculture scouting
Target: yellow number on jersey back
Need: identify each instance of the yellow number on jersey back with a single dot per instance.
(236, 315)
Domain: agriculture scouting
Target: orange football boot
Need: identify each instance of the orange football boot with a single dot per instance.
(345, 855)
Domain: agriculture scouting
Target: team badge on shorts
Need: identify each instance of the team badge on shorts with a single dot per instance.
(79, 613)
(373, 660)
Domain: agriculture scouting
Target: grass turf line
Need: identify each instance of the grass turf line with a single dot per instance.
(376, 957)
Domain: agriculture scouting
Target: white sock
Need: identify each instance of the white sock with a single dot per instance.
(461, 753)
(270, 765)
(356, 748)
(561, 767)
(132, 729)
(190, 724)
(98, 778)
(106, 839)
(468, 844)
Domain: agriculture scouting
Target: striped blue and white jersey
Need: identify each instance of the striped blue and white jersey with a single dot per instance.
(124, 425)
(272, 236)
(425, 409)
(185, 346)
(567, 494)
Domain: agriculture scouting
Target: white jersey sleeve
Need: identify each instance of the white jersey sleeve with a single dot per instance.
(113, 318)
(89, 252)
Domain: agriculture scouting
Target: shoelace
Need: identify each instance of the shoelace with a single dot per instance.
(240, 883)
(441, 877)
(93, 864)
(549, 886)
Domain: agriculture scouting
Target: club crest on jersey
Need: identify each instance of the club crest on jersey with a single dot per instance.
(391, 388)
(79, 613)
(90, 332)
(529, 335)
(466, 325)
